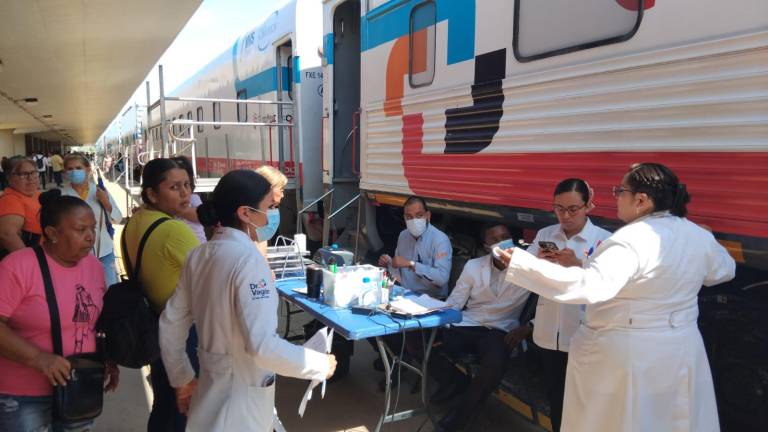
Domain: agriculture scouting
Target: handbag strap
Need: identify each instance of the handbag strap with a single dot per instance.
(50, 297)
(134, 274)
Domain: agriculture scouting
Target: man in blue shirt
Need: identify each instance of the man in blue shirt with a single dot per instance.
(422, 261)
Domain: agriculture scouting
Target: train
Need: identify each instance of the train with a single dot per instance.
(482, 106)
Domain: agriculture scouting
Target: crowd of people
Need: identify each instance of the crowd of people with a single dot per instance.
(614, 314)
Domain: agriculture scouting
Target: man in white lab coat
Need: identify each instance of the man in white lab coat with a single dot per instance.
(490, 329)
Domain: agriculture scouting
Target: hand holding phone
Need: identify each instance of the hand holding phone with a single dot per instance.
(548, 246)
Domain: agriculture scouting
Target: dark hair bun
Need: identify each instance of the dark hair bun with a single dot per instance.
(49, 197)
(207, 214)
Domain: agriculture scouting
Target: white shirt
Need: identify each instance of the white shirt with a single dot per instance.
(432, 254)
(638, 363)
(555, 323)
(226, 289)
(104, 244)
(485, 298)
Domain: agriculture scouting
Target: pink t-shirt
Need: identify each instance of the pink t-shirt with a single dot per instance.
(80, 296)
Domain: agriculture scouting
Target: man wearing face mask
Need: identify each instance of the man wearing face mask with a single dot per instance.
(422, 261)
(490, 329)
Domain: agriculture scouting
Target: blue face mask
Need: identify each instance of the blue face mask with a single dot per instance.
(264, 233)
(76, 176)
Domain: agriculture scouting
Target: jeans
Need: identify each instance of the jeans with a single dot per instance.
(110, 273)
(33, 414)
(165, 416)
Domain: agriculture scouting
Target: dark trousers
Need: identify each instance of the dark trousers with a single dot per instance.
(489, 346)
(57, 178)
(555, 364)
(165, 416)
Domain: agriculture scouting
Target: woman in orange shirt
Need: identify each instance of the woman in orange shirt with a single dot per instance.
(19, 206)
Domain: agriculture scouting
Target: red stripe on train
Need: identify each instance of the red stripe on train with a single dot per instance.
(729, 189)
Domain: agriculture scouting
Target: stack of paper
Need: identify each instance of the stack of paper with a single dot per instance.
(420, 305)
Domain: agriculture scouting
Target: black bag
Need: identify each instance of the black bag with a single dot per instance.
(129, 324)
(83, 396)
(40, 162)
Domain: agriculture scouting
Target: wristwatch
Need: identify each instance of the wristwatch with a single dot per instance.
(412, 265)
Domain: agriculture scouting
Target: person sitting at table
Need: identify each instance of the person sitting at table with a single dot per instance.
(490, 329)
(422, 261)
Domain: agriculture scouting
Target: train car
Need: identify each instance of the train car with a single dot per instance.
(483, 106)
(277, 61)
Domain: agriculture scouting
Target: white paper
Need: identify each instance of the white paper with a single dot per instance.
(418, 305)
(320, 342)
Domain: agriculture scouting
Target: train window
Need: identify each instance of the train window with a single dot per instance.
(546, 28)
(200, 118)
(242, 109)
(217, 114)
(421, 58)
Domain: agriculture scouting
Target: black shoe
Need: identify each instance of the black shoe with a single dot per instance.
(450, 389)
(452, 422)
(378, 365)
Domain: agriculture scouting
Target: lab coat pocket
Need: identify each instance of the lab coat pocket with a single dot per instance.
(261, 404)
(215, 364)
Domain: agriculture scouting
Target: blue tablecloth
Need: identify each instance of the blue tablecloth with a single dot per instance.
(354, 326)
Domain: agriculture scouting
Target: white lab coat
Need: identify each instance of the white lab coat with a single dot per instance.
(485, 306)
(638, 362)
(226, 289)
(555, 323)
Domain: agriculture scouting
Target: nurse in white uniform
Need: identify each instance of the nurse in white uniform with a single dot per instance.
(226, 288)
(638, 361)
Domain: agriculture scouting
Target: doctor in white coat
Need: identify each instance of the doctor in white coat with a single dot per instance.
(638, 361)
(226, 288)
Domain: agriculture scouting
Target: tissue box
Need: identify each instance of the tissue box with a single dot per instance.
(346, 288)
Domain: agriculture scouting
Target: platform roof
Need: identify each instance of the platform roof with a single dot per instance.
(80, 59)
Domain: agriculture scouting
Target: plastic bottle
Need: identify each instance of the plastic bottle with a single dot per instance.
(332, 264)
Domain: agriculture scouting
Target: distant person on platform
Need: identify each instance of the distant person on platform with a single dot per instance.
(422, 261)
(57, 166)
(39, 160)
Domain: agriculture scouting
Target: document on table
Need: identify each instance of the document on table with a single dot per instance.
(320, 342)
(420, 305)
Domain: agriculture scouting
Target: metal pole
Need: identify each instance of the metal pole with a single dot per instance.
(148, 142)
(194, 152)
(163, 130)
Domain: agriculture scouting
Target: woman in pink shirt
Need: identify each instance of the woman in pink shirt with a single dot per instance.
(28, 368)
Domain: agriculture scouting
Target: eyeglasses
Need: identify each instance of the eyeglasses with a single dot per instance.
(26, 175)
(618, 190)
(256, 210)
(572, 210)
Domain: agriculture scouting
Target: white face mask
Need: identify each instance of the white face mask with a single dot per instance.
(416, 226)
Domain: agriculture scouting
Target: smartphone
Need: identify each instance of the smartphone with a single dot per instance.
(548, 246)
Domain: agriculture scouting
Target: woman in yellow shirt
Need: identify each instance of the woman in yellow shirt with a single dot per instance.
(165, 191)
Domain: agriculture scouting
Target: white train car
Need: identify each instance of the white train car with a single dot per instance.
(483, 106)
(278, 61)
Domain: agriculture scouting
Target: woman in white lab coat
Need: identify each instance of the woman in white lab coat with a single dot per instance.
(226, 288)
(638, 361)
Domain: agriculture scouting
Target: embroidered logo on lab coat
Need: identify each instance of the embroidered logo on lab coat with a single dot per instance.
(259, 290)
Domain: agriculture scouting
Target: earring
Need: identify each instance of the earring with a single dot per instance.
(637, 211)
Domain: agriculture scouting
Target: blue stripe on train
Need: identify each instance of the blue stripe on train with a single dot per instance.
(263, 82)
(392, 20)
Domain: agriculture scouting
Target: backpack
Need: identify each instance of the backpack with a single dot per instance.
(127, 321)
(40, 162)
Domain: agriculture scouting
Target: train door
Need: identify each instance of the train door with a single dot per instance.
(344, 107)
(346, 92)
(287, 136)
(285, 113)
